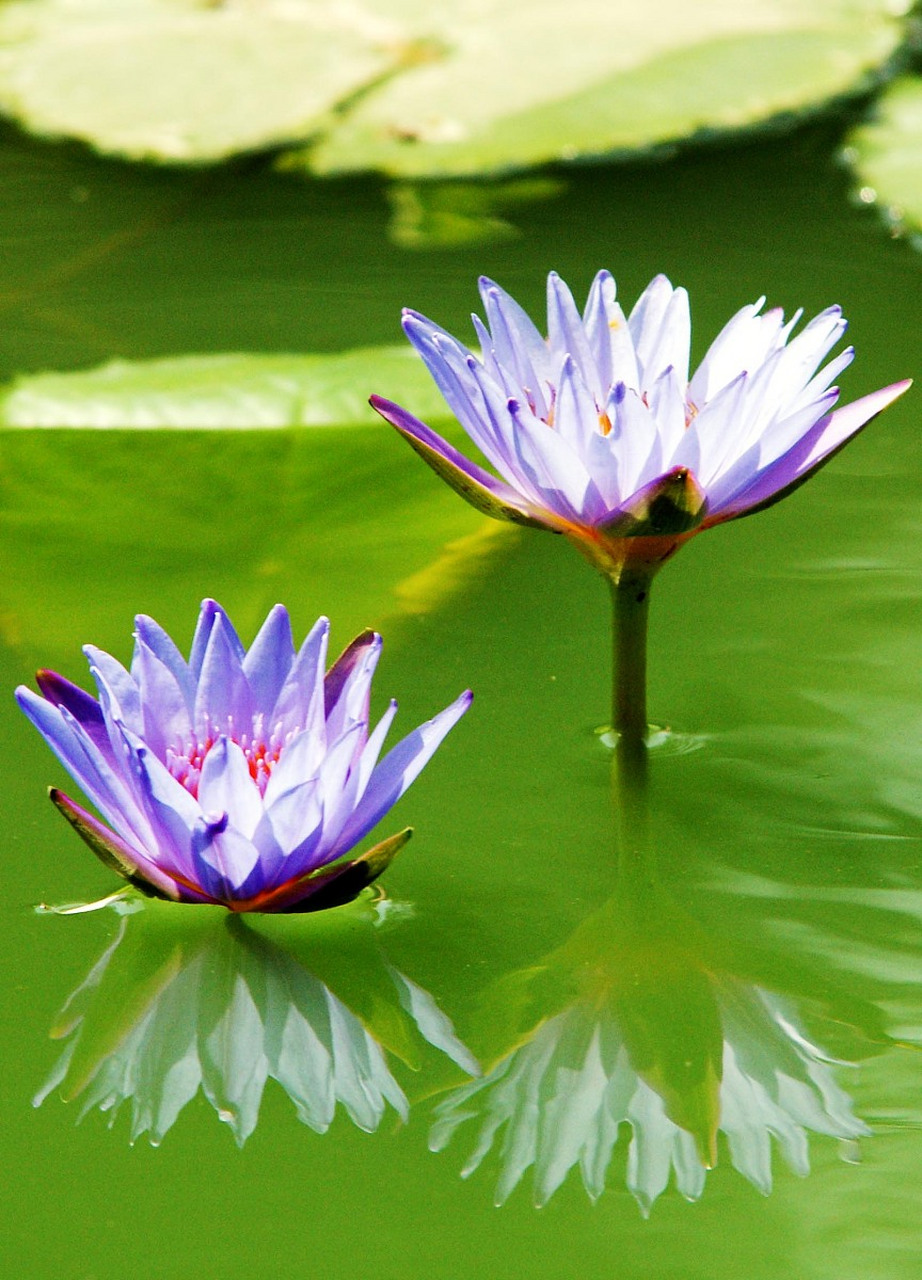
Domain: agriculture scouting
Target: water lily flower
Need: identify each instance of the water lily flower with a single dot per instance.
(241, 777)
(599, 433)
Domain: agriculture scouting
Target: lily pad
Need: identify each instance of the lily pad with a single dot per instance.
(182, 80)
(588, 79)
(245, 391)
(886, 154)
(401, 86)
(335, 521)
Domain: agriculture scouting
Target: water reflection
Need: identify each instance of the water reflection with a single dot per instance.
(173, 1007)
(646, 1026)
(632, 1021)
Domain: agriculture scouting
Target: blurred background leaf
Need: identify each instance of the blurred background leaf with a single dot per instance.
(885, 152)
(243, 390)
(400, 86)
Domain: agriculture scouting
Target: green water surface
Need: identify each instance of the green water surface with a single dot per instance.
(786, 907)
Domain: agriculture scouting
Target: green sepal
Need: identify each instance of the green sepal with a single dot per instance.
(670, 505)
(110, 851)
(341, 883)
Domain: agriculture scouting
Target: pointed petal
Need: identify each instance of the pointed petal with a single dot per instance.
(519, 346)
(634, 437)
(646, 321)
(372, 750)
(289, 825)
(226, 786)
(664, 340)
(666, 399)
(742, 344)
(157, 640)
(714, 435)
(300, 703)
(268, 660)
(347, 686)
(85, 709)
(299, 761)
(113, 852)
(565, 332)
(398, 769)
(166, 720)
(576, 416)
(120, 684)
(609, 338)
(464, 382)
(96, 773)
(816, 448)
(222, 698)
(172, 812)
(223, 858)
(555, 471)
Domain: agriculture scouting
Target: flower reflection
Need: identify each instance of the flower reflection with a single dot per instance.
(222, 1009)
(633, 1022)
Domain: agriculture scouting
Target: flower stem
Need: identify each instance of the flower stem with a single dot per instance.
(630, 597)
(630, 594)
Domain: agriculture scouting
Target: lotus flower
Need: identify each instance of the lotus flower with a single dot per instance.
(599, 434)
(238, 777)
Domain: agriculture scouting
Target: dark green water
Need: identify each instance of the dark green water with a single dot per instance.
(782, 937)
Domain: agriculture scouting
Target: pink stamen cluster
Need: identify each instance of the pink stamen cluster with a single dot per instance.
(262, 754)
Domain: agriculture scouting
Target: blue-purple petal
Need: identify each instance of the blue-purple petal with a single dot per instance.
(163, 647)
(269, 659)
(223, 698)
(397, 771)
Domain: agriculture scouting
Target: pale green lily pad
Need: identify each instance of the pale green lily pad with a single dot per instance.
(562, 82)
(886, 153)
(225, 391)
(411, 89)
(185, 80)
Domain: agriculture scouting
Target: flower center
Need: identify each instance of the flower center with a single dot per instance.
(261, 751)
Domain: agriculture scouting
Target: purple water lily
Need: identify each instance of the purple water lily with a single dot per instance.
(599, 433)
(241, 777)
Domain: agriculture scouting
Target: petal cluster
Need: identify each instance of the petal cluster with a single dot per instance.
(599, 428)
(239, 776)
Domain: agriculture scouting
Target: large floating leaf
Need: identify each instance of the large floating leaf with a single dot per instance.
(185, 80)
(886, 153)
(225, 391)
(414, 89)
(557, 82)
